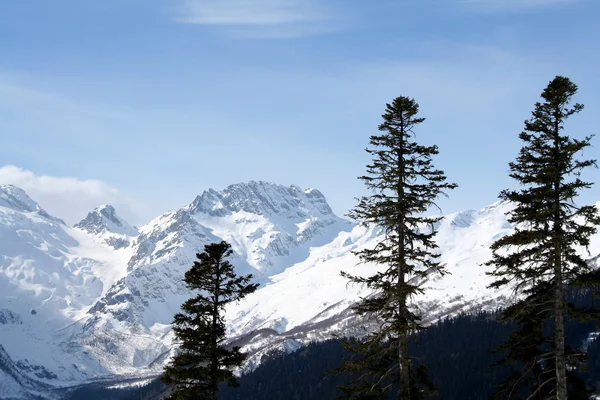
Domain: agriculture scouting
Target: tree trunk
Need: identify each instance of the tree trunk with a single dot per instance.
(559, 334)
(559, 303)
(214, 365)
(403, 357)
(404, 393)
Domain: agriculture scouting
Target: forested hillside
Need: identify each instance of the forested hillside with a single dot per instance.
(458, 352)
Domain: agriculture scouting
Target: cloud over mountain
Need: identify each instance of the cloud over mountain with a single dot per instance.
(69, 198)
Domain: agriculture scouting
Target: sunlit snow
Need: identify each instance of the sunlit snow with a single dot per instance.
(96, 301)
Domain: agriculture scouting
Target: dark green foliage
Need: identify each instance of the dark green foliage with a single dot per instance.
(202, 361)
(96, 391)
(458, 352)
(529, 349)
(593, 370)
(405, 184)
(542, 256)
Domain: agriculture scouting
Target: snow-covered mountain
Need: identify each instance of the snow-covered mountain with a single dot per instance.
(107, 226)
(50, 275)
(269, 226)
(95, 302)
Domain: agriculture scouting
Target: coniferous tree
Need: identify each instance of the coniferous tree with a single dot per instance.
(202, 360)
(528, 348)
(542, 256)
(405, 184)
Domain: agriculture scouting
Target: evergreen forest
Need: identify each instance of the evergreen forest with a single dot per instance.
(458, 352)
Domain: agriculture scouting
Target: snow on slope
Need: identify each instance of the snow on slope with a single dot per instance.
(315, 284)
(14, 384)
(310, 300)
(10, 388)
(267, 224)
(74, 307)
(271, 226)
(50, 275)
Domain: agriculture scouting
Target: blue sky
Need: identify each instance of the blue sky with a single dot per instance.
(145, 103)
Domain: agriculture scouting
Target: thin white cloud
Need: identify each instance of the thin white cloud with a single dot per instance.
(69, 198)
(16, 96)
(514, 5)
(245, 12)
(262, 18)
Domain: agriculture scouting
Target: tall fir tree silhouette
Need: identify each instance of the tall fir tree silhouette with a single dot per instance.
(202, 361)
(405, 185)
(543, 255)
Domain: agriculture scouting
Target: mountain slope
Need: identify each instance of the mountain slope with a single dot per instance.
(95, 302)
(310, 300)
(268, 226)
(50, 275)
(14, 384)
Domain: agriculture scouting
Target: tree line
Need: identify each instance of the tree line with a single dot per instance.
(453, 346)
(539, 261)
(459, 353)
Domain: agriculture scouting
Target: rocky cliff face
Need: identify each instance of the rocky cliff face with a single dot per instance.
(104, 224)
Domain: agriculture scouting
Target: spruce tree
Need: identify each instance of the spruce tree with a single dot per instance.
(542, 256)
(405, 185)
(527, 352)
(202, 361)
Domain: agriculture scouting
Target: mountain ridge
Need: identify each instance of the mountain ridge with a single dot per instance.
(16, 199)
(104, 219)
(99, 311)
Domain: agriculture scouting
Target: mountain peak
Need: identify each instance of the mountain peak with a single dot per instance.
(15, 198)
(104, 219)
(108, 212)
(263, 198)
